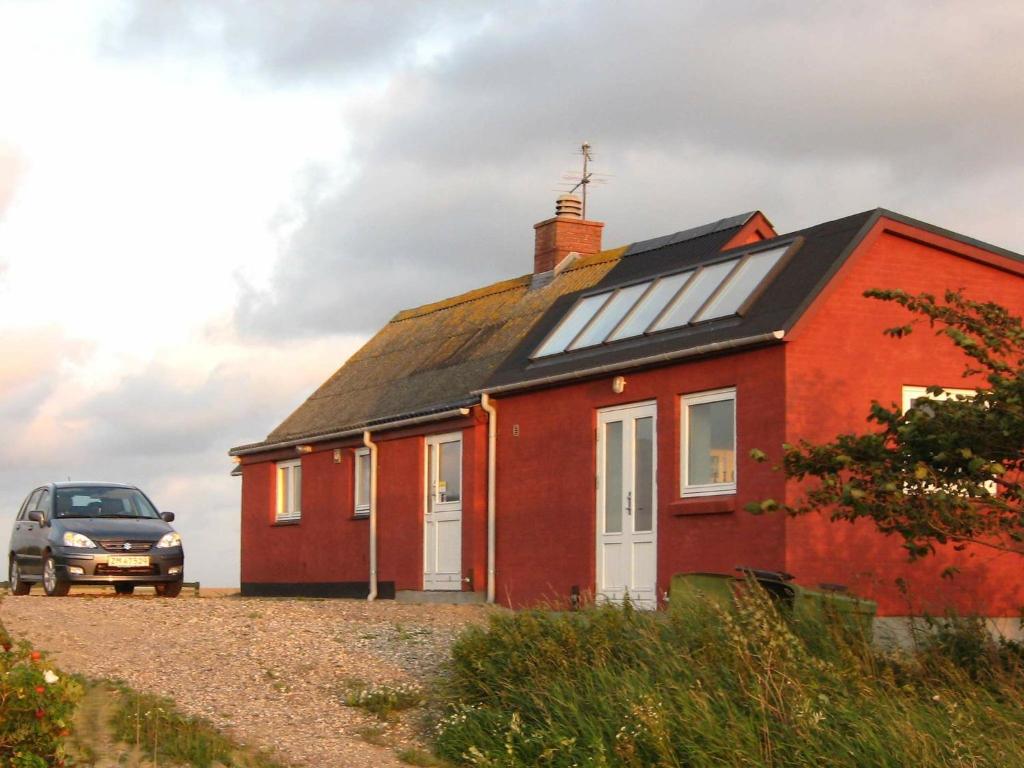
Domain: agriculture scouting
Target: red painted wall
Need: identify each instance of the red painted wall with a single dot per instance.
(329, 544)
(326, 545)
(547, 520)
(837, 361)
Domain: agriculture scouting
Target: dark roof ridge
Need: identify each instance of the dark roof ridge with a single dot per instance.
(693, 233)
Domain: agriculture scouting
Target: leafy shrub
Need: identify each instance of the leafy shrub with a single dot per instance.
(735, 685)
(967, 644)
(36, 705)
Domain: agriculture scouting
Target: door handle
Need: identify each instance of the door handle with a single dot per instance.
(629, 503)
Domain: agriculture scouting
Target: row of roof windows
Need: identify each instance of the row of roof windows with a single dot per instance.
(674, 300)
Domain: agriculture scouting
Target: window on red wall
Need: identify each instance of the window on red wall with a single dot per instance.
(361, 482)
(289, 490)
(708, 450)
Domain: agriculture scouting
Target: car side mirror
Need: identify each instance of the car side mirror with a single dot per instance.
(167, 517)
(38, 516)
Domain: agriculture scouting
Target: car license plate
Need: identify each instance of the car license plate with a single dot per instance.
(127, 561)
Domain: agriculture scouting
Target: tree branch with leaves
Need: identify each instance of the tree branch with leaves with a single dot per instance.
(948, 471)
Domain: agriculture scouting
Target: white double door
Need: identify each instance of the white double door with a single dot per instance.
(627, 513)
(442, 518)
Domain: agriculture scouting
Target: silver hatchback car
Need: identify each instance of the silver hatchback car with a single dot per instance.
(94, 533)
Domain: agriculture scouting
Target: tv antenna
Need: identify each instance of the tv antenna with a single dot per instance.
(580, 181)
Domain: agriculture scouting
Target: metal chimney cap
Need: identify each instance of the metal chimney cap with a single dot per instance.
(569, 207)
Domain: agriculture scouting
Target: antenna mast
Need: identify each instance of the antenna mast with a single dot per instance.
(585, 177)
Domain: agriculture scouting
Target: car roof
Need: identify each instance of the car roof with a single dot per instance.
(91, 483)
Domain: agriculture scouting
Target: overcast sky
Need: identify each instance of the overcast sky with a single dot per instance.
(206, 206)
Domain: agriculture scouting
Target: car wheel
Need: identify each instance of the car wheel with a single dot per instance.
(124, 589)
(171, 589)
(14, 582)
(53, 584)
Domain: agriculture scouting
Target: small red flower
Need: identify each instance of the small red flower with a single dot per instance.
(35, 655)
(40, 689)
(40, 714)
(7, 646)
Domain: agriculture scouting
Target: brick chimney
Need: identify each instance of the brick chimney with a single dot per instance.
(567, 232)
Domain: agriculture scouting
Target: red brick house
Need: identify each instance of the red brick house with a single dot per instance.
(585, 428)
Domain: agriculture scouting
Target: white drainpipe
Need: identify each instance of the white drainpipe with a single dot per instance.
(373, 515)
(492, 451)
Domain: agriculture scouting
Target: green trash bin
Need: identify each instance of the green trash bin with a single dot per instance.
(717, 587)
(831, 601)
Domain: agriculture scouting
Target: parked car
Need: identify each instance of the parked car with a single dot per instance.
(94, 533)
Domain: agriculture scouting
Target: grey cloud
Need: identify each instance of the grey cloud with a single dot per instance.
(699, 111)
(286, 40)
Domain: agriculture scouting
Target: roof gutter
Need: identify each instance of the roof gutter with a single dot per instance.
(665, 357)
(439, 416)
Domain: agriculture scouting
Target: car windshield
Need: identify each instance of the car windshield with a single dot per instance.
(102, 501)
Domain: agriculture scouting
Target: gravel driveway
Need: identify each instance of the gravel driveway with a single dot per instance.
(271, 672)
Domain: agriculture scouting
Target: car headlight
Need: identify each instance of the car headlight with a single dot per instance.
(72, 539)
(171, 539)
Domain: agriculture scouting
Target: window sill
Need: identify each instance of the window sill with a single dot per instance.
(704, 505)
(277, 523)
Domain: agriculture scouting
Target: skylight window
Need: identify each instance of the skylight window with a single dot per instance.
(573, 323)
(741, 285)
(650, 306)
(610, 315)
(681, 311)
(675, 300)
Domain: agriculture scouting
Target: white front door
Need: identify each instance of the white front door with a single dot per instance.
(442, 519)
(627, 513)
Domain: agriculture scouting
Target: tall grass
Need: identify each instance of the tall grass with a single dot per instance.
(713, 685)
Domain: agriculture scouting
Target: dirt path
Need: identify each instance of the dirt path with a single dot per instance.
(270, 672)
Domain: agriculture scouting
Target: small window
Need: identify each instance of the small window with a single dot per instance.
(289, 490)
(33, 501)
(44, 500)
(708, 443)
(25, 508)
(911, 395)
(362, 482)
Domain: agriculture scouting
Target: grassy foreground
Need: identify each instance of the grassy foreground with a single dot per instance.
(738, 686)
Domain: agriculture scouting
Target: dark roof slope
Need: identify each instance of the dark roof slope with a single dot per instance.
(433, 358)
(823, 246)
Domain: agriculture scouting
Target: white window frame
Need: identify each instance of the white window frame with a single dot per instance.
(286, 510)
(912, 393)
(360, 510)
(686, 490)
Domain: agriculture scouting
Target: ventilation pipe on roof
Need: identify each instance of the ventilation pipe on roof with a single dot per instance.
(373, 515)
(492, 453)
